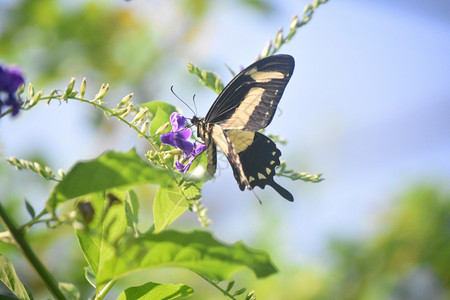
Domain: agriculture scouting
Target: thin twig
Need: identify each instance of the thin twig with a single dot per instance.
(23, 244)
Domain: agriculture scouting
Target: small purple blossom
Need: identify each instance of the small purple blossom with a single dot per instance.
(198, 149)
(178, 137)
(10, 80)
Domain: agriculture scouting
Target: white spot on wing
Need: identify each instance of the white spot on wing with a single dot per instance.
(259, 76)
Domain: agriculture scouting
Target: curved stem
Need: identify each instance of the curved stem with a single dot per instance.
(20, 240)
(217, 286)
(104, 291)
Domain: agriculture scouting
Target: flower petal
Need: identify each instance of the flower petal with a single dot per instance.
(168, 138)
(10, 80)
(182, 168)
(198, 148)
(178, 121)
(182, 144)
(185, 134)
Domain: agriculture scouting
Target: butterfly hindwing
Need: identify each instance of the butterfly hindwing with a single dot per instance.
(259, 157)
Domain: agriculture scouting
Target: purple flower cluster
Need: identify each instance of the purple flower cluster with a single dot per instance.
(178, 137)
(10, 80)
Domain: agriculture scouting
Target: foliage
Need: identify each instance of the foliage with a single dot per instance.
(413, 244)
(97, 197)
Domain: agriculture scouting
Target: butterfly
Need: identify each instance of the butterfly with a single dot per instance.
(247, 104)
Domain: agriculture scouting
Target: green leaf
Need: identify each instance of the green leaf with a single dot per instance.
(156, 291)
(132, 210)
(9, 277)
(169, 204)
(109, 170)
(198, 251)
(69, 290)
(30, 209)
(89, 275)
(153, 106)
(99, 240)
(161, 118)
(209, 79)
(262, 6)
(161, 112)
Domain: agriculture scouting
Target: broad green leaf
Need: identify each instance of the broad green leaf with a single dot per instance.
(98, 239)
(156, 291)
(161, 117)
(109, 170)
(9, 277)
(198, 251)
(69, 290)
(169, 204)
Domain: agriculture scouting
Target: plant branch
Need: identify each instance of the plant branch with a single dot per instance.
(104, 291)
(226, 293)
(25, 247)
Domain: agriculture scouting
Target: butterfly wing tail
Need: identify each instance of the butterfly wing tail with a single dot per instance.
(281, 190)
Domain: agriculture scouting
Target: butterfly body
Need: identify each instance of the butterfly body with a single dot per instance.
(247, 104)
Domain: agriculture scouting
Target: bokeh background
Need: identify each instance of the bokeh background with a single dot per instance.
(368, 106)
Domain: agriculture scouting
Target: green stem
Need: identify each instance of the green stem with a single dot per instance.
(19, 238)
(216, 286)
(104, 291)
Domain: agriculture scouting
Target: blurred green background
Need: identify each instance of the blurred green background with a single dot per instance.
(367, 106)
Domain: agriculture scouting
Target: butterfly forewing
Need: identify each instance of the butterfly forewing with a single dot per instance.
(249, 101)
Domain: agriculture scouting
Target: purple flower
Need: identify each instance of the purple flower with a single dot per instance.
(178, 137)
(10, 80)
(198, 149)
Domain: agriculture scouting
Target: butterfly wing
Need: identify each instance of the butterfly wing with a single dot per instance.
(252, 156)
(245, 105)
(250, 100)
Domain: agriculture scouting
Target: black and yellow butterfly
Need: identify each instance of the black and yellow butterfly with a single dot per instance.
(247, 104)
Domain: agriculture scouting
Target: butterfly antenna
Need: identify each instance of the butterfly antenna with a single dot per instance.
(171, 89)
(195, 105)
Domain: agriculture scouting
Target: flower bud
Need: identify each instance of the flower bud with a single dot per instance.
(70, 86)
(30, 90)
(83, 87)
(102, 92)
(162, 128)
(266, 49)
(125, 100)
(127, 111)
(140, 115)
(36, 97)
(61, 173)
(144, 128)
(294, 23)
(49, 171)
(278, 39)
(21, 89)
(119, 111)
